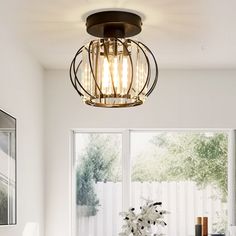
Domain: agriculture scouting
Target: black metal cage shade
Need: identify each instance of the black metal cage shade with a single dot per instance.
(114, 71)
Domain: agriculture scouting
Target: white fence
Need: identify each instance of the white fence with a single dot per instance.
(183, 199)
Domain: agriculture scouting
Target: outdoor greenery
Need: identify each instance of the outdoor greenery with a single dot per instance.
(3, 205)
(96, 164)
(197, 157)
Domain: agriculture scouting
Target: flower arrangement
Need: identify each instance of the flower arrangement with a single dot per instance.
(141, 224)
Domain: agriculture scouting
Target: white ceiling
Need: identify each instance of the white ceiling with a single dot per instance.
(182, 33)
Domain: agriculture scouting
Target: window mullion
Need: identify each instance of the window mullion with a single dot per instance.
(73, 204)
(232, 178)
(126, 170)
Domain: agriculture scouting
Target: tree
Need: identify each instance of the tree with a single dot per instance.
(85, 193)
(3, 205)
(96, 164)
(198, 157)
(100, 155)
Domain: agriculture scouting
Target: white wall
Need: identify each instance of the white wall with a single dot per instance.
(21, 95)
(183, 99)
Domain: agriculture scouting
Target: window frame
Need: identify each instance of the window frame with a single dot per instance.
(126, 166)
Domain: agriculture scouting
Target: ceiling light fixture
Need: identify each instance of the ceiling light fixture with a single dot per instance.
(114, 70)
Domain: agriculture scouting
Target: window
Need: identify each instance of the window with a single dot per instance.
(186, 170)
(98, 183)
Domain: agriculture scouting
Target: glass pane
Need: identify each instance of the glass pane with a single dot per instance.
(187, 172)
(98, 183)
(7, 169)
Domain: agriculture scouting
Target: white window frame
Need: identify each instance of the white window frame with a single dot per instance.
(126, 167)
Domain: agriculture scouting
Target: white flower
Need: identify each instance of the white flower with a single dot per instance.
(140, 224)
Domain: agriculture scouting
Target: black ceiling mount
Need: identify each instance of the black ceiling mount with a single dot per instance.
(117, 24)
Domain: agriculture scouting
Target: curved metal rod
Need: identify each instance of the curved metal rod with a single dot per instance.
(132, 69)
(91, 67)
(71, 65)
(148, 74)
(75, 69)
(157, 71)
(75, 82)
(110, 69)
(70, 70)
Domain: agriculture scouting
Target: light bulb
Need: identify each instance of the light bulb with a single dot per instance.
(125, 73)
(115, 72)
(106, 72)
(85, 76)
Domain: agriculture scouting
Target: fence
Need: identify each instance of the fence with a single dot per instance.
(184, 200)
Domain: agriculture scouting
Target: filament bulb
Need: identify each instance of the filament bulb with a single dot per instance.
(106, 72)
(125, 72)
